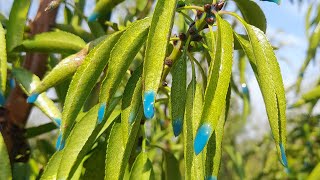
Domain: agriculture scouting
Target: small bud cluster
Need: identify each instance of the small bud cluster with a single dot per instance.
(210, 9)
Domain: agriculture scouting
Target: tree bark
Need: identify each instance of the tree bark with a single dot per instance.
(14, 116)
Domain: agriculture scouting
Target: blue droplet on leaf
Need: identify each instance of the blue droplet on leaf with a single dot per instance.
(244, 88)
(12, 83)
(212, 178)
(202, 138)
(93, 17)
(2, 99)
(283, 156)
(60, 142)
(32, 98)
(57, 121)
(148, 104)
(101, 112)
(275, 1)
(177, 126)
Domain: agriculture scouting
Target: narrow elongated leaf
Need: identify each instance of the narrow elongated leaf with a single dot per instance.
(3, 61)
(218, 83)
(51, 169)
(275, 1)
(123, 135)
(118, 151)
(64, 70)
(5, 168)
(314, 42)
(267, 70)
(57, 41)
(171, 166)
(315, 173)
(77, 30)
(252, 13)
(28, 82)
(310, 96)
(214, 148)
(95, 164)
(142, 168)
(121, 57)
(84, 80)
(81, 140)
(103, 7)
(158, 37)
(194, 167)
(16, 23)
(178, 94)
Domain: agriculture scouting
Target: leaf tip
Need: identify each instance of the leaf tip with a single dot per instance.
(2, 99)
(284, 161)
(32, 98)
(202, 138)
(101, 112)
(211, 178)
(60, 142)
(275, 1)
(148, 104)
(57, 121)
(93, 17)
(177, 126)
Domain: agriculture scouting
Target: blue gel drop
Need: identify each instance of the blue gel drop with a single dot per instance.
(32, 98)
(275, 1)
(177, 126)
(57, 121)
(101, 112)
(283, 156)
(93, 16)
(244, 88)
(148, 104)
(60, 142)
(202, 138)
(2, 99)
(12, 83)
(212, 178)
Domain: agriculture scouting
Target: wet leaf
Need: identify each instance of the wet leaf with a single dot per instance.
(5, 168)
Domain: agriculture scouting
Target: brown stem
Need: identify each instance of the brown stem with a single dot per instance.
(14, 116)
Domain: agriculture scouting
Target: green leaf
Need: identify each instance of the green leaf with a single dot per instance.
(84, 80)
(16, 23)
(77, 30)
(38, 130)
(51, 169)
(28, 82)
(95, 164)
(194, 167)
(171, 166)
(158, 38)
(142, 168)
(123, 135)
(214, 148)
(81, 140)
(218, 83)
(121, 57)
(310, 96)
(5, 168)
(64, 70)
(57, 41)
(267, 71)
(199, 2)
(3, 61)
(252, 14)
(315, 173)
(179, 93)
